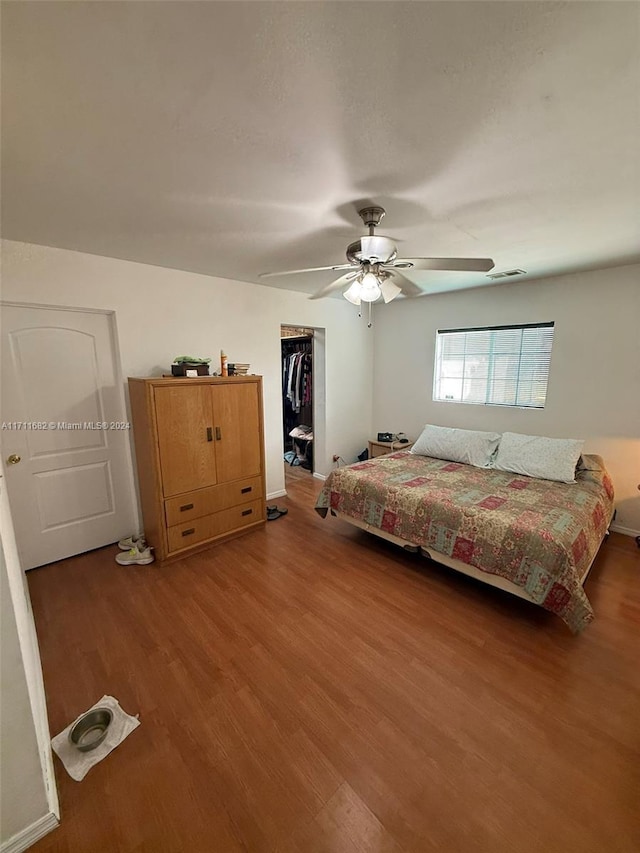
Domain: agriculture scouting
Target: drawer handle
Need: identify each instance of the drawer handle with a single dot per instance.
(189, 531)
(186, 507)
(246, 489)
(247, 511)
(209, 434)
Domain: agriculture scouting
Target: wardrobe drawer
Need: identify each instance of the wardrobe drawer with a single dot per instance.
(212, 499)
(201, 529)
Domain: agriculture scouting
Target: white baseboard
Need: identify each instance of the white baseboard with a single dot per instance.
(281, 493)
(319, 476)
(24, 839)
(616, 528)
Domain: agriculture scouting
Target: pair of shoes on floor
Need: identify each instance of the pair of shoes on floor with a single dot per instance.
(140, 556)
(132, 542)
(136, 552)
(273, 512)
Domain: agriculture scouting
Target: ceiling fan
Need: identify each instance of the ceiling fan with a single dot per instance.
(375, 270)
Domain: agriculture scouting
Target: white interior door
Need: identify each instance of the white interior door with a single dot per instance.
(66, 454)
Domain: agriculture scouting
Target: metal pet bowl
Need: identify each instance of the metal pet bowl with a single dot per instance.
(91, 729)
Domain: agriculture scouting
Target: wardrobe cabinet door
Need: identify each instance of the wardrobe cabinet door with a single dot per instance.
(186, 438)
(238, 430)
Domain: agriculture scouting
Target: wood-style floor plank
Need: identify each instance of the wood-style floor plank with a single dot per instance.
(308, 688)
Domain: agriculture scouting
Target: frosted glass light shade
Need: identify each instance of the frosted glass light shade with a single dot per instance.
(370, 289)
(352, 294)
(389, 290)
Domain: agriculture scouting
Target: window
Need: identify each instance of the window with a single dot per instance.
(495, 366)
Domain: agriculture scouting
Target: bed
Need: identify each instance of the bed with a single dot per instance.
(535, 538)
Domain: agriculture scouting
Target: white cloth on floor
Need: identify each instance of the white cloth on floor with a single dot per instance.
(77, 763)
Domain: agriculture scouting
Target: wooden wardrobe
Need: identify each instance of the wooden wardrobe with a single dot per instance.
(200, 457)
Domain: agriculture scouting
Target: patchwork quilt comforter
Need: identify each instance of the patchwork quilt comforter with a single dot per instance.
(539, 534)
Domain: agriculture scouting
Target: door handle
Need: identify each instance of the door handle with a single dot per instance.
(13, 459)
(218, 434)
(209, 434)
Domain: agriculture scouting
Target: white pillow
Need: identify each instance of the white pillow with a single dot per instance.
(459, 445)
(537, 456)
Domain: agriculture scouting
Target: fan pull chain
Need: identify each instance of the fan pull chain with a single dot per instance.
(370, 323)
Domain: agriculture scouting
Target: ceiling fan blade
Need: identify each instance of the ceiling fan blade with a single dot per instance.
(407, 287)
(309, 269)
(455, 264)
(335, 285)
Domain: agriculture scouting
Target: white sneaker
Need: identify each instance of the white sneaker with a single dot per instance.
(135, 556)
(132, 542)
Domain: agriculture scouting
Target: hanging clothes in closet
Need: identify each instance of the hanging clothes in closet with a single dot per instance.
(296, 380)
(297, 392)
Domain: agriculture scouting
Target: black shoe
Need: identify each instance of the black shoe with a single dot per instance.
(273, 513)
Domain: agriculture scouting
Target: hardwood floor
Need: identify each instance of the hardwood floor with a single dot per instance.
(312, 689)
(295, 472)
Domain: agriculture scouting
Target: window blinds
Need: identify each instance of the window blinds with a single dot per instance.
(497, 365)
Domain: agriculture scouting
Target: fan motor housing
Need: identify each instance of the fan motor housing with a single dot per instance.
(362, 251)
(354, 252)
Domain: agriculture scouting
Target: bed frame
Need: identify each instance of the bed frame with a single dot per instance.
(451, 562)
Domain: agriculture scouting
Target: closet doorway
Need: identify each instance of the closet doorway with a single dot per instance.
(298, 375)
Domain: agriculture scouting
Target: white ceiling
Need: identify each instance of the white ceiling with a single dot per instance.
(234, 138)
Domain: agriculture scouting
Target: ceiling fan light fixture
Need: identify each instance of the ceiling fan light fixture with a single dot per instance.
(374, 270)
(352, 293)
(389, 290)
(370, 288)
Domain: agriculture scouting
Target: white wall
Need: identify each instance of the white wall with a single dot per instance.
(22, 790)
(162, 313)
(28, 799)
(594, 384)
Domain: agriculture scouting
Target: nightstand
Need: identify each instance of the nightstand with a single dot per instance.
(381, 448)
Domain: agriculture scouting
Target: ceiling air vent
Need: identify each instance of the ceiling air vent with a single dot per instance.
(506, 274)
